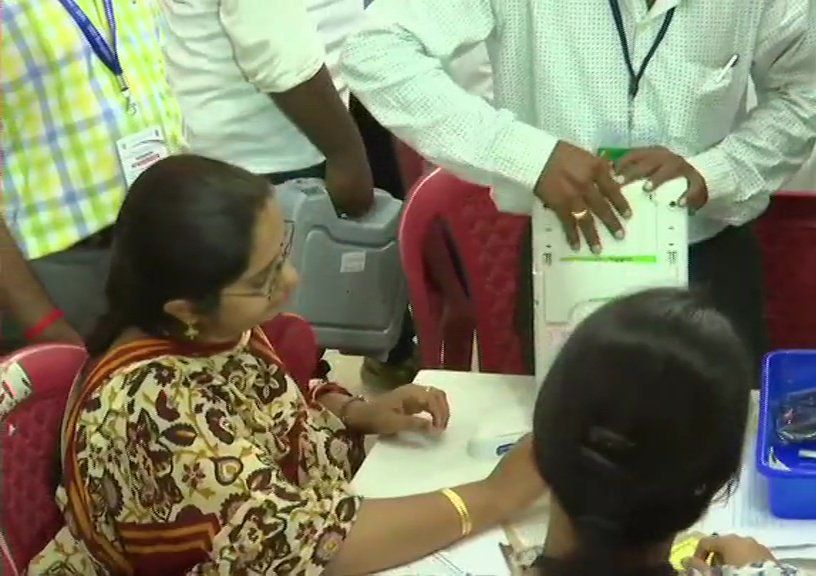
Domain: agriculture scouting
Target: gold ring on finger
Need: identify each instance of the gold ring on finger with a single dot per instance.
(580, 215)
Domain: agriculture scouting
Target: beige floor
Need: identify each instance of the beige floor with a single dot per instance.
(346, 371)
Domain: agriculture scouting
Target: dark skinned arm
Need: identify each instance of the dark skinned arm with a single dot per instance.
(24, 296)
(278, 49)
(316, 109)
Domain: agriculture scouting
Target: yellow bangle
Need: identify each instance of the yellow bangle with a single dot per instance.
(461, 509)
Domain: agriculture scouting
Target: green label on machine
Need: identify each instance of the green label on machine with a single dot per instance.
(613, 154)
(641, 259)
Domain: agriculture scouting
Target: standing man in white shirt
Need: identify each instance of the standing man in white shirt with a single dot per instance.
(255, 90)
(260, 87)
(665, 80)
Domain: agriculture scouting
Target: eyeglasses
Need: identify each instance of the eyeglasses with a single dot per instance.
(272, 284)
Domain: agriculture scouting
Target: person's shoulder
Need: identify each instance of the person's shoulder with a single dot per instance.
(130, 366)
(120, 373)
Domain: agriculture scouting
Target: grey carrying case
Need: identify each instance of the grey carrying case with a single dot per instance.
(352, 288)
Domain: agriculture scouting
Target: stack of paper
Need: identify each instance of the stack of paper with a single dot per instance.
(747, 513)
(478, 556)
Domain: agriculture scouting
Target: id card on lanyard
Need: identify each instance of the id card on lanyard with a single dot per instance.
(136, 151)
(635, 76)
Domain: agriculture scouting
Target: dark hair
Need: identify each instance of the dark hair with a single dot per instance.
(185, 231)
(640, 424)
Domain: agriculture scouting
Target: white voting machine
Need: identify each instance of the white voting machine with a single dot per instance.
(570, 285)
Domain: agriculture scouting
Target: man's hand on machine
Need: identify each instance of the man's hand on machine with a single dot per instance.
(577, 185)
(350, 184)
(657, 165)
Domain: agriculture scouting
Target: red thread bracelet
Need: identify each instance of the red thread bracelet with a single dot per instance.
(48, 320)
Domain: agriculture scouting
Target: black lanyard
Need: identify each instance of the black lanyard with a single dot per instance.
(634, 78)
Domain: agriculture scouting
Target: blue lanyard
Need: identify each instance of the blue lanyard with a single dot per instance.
(635, 77)
(106, 52)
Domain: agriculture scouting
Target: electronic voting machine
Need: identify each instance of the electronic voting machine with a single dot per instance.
(569, 285)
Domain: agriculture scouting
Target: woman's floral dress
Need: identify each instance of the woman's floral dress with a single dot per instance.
(201, 461)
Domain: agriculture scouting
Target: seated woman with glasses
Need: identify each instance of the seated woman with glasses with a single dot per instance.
(187, 450)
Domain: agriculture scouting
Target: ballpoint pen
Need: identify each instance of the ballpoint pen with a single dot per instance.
(731, 63)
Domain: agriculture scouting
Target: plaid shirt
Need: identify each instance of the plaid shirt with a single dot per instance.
(64, 112)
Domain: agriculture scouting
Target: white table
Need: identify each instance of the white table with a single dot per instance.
(404, 466)
(413, 465)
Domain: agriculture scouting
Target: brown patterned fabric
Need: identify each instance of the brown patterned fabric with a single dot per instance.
(201, 462)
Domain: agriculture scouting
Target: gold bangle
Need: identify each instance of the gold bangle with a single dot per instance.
(342, 414)
(461, 509)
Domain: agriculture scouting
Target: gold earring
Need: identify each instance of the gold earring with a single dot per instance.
(191, 332)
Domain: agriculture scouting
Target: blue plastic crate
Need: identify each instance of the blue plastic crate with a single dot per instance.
(792, 492)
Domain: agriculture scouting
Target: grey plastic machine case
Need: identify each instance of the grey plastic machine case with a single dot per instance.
(352, 288)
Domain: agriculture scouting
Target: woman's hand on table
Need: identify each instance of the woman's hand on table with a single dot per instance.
(402, 410)
(728, 551)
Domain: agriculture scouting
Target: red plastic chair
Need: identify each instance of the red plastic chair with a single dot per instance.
(461, 257)
(35, 385)
(34, 391)
(294, 340)
(787, 233)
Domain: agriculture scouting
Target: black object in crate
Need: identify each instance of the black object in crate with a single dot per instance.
(796, 418)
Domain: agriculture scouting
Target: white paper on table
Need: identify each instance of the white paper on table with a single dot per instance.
(477, 556)
(807, 553)
(748, 513)
(426, 567)
(530, 529)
